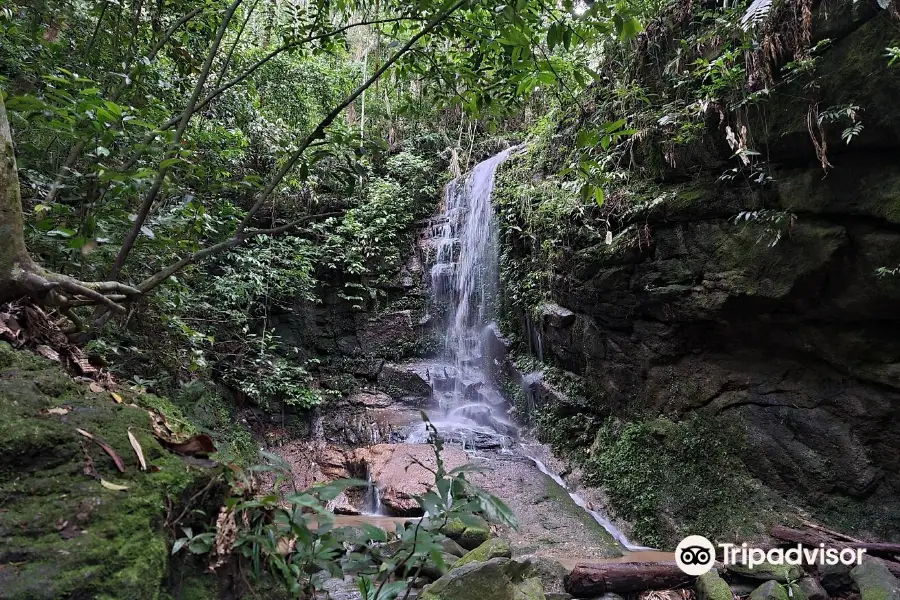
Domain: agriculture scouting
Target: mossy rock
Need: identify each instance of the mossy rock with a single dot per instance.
(493, 548)
(768, 571)
(469, 535)
(875, 582)
(496, 579)
(712, 587)
(62, 534)
(770, 590)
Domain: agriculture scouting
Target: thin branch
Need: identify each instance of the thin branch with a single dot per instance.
(319, 130)
(237, 40)
(232, 242)
(78, 148)
(291, 225)
(160, 177)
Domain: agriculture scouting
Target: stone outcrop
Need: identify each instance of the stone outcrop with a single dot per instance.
(401, 472)
(496, 579)
(702, 304)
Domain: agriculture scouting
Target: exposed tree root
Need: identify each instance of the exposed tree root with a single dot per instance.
(26, 279)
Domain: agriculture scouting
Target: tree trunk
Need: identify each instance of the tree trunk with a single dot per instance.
(16, 265)
(597, 579)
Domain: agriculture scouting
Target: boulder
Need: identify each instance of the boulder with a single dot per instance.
(812, 589)
(770, 590)
(710, 586)
(875, 582)
(401, 472)
(554, 315)
(767, 571)
(493, 548)
(451, 547)
(470, 535)
(496, 579)
(550, 572)
(401, 381)
(433, 570)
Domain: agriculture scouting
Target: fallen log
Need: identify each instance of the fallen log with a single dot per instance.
(596, 579)
(812, 538)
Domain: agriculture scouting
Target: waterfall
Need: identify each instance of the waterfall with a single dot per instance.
(471, 411)
(465, 273)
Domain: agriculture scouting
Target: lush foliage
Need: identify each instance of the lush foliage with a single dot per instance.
(293, 536)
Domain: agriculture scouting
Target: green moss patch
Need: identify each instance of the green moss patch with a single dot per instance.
(62, 534)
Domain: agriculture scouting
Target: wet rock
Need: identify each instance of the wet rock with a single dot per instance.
(558, 596)
(469, 536)
(493, 548)
(835, 578)
(710, 586)
(369, 399)
(401, 472)
(767, 571)
(404, 380)
(493, 343)
(770, 590)
(812, 589)
(496, 579)
(554, 315)
(875, 582)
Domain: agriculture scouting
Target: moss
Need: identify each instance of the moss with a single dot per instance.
(643, 466)
(493, 548)
(62, 533)
(712, 587)
(767, 571)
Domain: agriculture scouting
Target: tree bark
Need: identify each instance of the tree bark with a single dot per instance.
(596, 579)
(19, 274)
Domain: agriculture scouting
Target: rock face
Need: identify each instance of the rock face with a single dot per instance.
(62, 533)
(785, 329)
(401, 471)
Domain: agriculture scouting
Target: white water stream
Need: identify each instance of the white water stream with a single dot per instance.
(464, 277)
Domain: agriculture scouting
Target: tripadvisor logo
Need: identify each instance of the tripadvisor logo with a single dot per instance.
(695, 555)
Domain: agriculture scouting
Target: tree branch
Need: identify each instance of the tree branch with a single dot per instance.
(78, 148)
(152, 193)
(319, 130)
(232, 242)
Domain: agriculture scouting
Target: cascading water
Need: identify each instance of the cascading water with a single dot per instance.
(471, 410)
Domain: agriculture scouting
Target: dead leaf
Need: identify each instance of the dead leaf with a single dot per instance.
(116, 397)
(47, 352)
(112, 453)
(55, 411)
(96, 387)
(137, 450)
(226, 535)
(113, 486)
(200, 444)
(66, 529)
